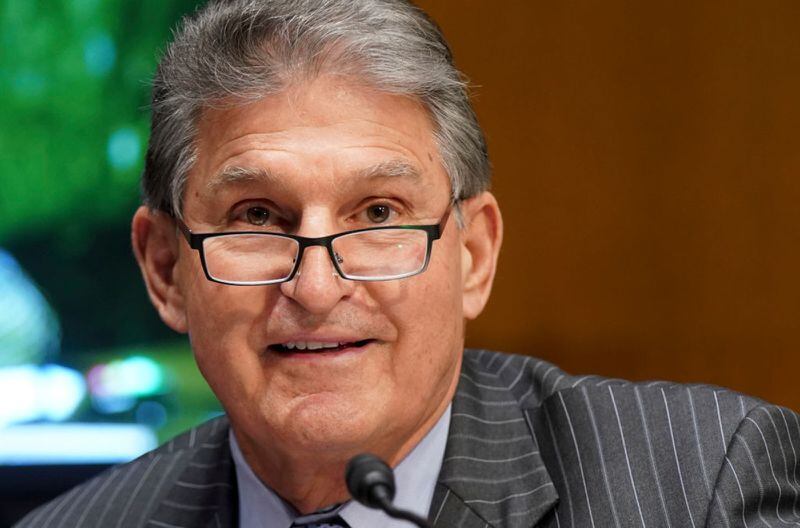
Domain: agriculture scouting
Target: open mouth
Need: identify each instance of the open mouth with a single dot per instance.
(311, 347)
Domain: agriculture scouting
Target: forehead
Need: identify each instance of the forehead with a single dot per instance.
(326, 133)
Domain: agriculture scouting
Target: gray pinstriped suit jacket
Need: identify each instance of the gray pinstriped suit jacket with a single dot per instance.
(603, 453)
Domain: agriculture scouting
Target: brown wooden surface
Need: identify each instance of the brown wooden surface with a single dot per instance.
(647, 160)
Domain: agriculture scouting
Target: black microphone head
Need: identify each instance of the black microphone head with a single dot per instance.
(369, 480)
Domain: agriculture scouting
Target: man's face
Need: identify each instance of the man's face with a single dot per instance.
(322, 158)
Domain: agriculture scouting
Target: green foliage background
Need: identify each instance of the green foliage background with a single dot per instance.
(75, 86)
(75, 78)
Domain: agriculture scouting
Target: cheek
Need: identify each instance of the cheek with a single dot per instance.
(442, 289)
(430, 322)
(217, 311)
(223, 322)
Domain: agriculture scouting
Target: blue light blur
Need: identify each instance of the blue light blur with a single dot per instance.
(29, 393)
(115, 386)
(74, 443)
(29, 330)
(99, 54)
(123, 148)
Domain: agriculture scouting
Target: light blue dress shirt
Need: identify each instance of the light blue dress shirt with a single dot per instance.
(415, 476)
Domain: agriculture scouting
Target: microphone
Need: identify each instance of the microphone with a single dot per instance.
(371, 482)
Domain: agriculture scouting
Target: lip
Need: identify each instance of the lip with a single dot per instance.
(351, 345)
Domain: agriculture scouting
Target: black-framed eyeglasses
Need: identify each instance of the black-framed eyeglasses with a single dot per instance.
(252, 258)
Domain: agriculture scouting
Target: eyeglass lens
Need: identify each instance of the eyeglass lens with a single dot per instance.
(367, 255)
(249, 258)
(383, 254)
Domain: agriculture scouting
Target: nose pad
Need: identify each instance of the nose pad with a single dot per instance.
(312, 287)
(335, 273)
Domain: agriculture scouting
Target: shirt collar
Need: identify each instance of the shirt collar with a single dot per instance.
(415, 477)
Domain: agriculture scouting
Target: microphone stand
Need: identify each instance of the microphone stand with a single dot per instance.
(390, 510)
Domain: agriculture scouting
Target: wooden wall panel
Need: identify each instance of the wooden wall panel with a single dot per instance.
(647, 161)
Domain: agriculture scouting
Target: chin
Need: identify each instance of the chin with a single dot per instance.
(331, 422)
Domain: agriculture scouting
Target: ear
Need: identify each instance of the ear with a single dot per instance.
(155, 244)
(481, 238)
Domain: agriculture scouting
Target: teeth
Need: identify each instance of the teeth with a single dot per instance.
(309, 345)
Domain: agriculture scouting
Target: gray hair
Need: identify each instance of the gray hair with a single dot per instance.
(235, 51)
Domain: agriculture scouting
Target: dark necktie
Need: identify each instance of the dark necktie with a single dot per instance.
(333, 522)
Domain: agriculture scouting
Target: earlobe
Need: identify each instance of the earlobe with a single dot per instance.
(482, 236)
(155, 245)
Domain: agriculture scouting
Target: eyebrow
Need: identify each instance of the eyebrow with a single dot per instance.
(389, 169)
(235, 174)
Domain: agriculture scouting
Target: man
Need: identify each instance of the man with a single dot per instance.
(317, 220)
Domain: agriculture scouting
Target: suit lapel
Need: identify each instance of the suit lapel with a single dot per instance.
(492, 473)
(204, 493)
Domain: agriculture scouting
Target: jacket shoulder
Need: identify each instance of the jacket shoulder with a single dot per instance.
(531, 380)
(667, 454)
(534, 380)
(659, 452)
(126, 493)
(700, 409)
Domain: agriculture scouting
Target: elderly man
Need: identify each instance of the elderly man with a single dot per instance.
(317, 221)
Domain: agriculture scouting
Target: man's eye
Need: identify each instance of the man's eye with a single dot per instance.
(378, 213)
(258, 215)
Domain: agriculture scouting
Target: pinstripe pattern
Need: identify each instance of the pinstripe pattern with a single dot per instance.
(610, 453)
(528, 446)
(188, 482)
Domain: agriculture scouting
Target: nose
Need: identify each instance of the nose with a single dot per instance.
(317, 286)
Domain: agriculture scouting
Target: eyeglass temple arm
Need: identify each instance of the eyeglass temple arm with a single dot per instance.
(187, 233)
(445, 217)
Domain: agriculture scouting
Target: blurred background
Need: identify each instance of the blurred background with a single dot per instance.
(647, 161)
(89, 376)
(645, 158)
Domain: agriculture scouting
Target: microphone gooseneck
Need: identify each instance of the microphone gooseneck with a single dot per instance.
(371, 482)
